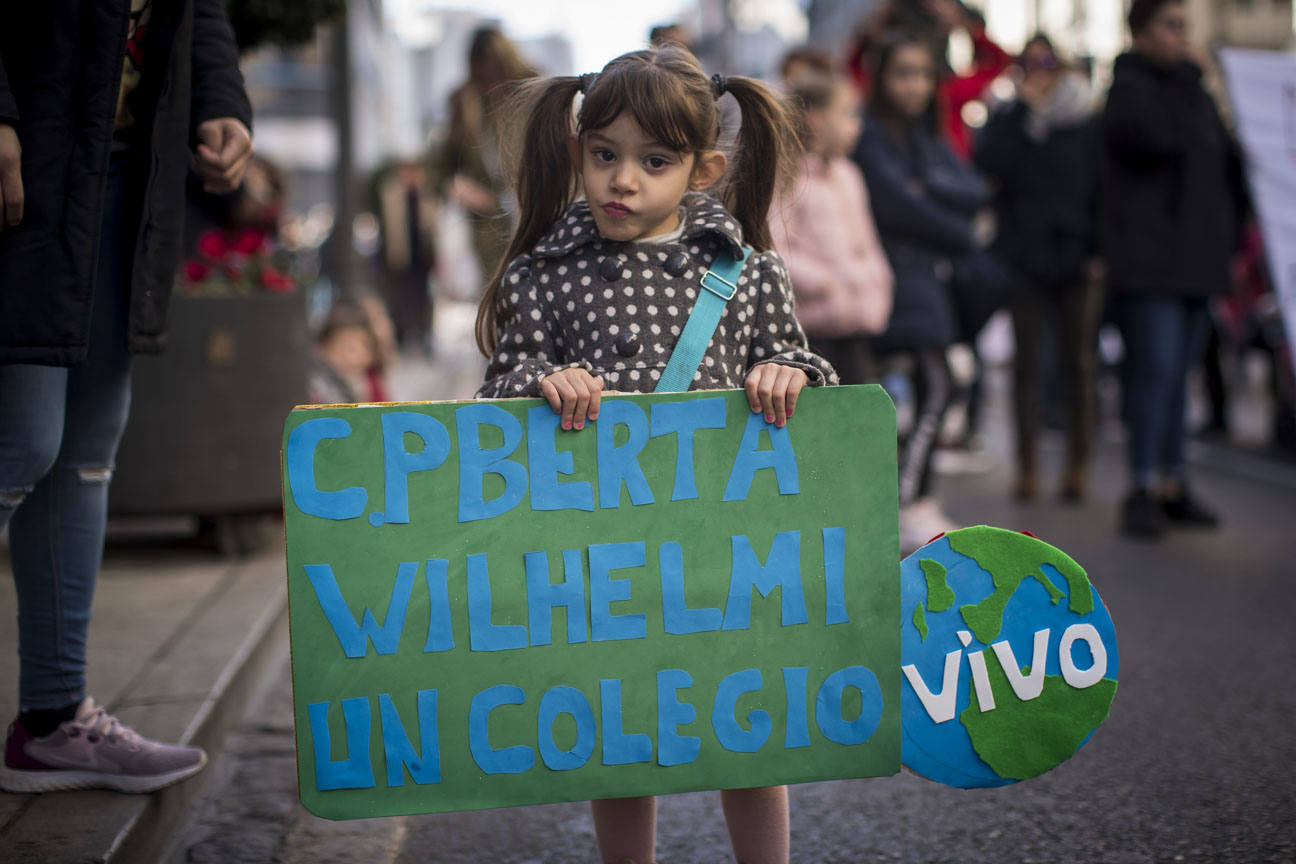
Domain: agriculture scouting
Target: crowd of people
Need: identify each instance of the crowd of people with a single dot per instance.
(906, 228)
(1126, 209)
(866, 227)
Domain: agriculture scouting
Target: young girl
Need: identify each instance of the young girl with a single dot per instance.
(923, 201)
(825, 233)
(596, 291)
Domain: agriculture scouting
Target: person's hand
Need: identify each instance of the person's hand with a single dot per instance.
(224, 147)
(1096, 271)
(948, 14)
(11, 186)
(573, 393)
(471, 194)
(772, 389)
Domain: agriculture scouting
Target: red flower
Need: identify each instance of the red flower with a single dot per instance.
(249, 241)
(212, 245)
(275, 281)
(195, 270)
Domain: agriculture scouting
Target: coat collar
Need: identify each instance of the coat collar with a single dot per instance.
(705, 215)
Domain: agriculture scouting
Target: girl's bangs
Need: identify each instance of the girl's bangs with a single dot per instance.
(657, 103)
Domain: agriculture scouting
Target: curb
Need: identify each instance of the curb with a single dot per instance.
(152, 826)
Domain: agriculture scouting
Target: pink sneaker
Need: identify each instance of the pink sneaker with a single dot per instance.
(94, 750)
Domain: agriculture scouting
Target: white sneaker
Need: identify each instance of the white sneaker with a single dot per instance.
(920, 522)
(94, 750)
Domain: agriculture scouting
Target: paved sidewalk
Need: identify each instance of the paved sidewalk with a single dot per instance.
(176, 644)
(179, 640)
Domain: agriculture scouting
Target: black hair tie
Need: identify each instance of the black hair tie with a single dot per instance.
(719, 84)
(587, 81)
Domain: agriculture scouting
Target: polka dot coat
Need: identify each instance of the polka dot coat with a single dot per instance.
(617, 309)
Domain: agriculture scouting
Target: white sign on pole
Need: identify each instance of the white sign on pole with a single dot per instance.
(1262, 85)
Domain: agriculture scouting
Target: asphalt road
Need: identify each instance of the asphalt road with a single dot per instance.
(1194, 764)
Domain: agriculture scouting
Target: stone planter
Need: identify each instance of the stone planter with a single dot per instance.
(207, 416)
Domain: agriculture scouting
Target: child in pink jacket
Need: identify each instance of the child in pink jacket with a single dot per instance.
(825, 233)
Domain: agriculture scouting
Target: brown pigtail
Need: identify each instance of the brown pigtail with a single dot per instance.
(764, 159)
(543, 175)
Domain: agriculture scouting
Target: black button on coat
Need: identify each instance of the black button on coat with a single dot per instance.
(60, 67)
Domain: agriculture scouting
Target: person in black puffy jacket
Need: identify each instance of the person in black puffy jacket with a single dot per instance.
(1171, 207)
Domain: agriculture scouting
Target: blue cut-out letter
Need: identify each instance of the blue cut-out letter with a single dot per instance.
(440, 632)
(505, 760)
(685, 418)
(672, 747)
(798, 727)
(834, 551)
(782, 569)
(546, 463)
(828, 706)
(354, 772)
(604, 590)
(677, 618)
(386, 639)
(475, 463)
(483, 634)
(617, 465)
(619, 748)
(399, 463)
(543, 596)
(424, 765)
(749, 460)
(728, 732)
(299, 456)
(570, 701)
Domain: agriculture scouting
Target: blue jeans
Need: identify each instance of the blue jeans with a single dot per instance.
(1164, 338)
(59, 430)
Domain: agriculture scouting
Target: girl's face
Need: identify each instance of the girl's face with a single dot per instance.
(634, 184)
(835, 128)
(350, 350)
(910, 80)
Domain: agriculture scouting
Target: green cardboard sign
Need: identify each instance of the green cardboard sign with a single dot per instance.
(489, 611)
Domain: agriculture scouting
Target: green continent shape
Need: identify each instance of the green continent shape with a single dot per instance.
(1020, 740)
(999, 553)
(920, 621)
(939, 595)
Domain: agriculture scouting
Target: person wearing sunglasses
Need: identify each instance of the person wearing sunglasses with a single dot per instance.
(1041, 152)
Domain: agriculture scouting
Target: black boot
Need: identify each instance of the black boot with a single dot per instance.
(1183, 509)
(1142, 515)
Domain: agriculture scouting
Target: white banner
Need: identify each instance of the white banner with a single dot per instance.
(1262, 85)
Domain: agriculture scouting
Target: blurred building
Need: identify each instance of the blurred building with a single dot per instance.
(748, 37)
(1265, 24)
(436, 42)
(1096, 28)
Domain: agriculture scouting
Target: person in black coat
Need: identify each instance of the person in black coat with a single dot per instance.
(1172, 203)
(105, 107)
(1041, 151)
(923, 199)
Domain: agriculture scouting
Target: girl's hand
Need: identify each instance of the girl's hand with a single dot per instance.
(773, 389)
(573, 393)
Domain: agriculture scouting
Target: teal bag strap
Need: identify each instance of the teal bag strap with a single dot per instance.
(719, 284)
